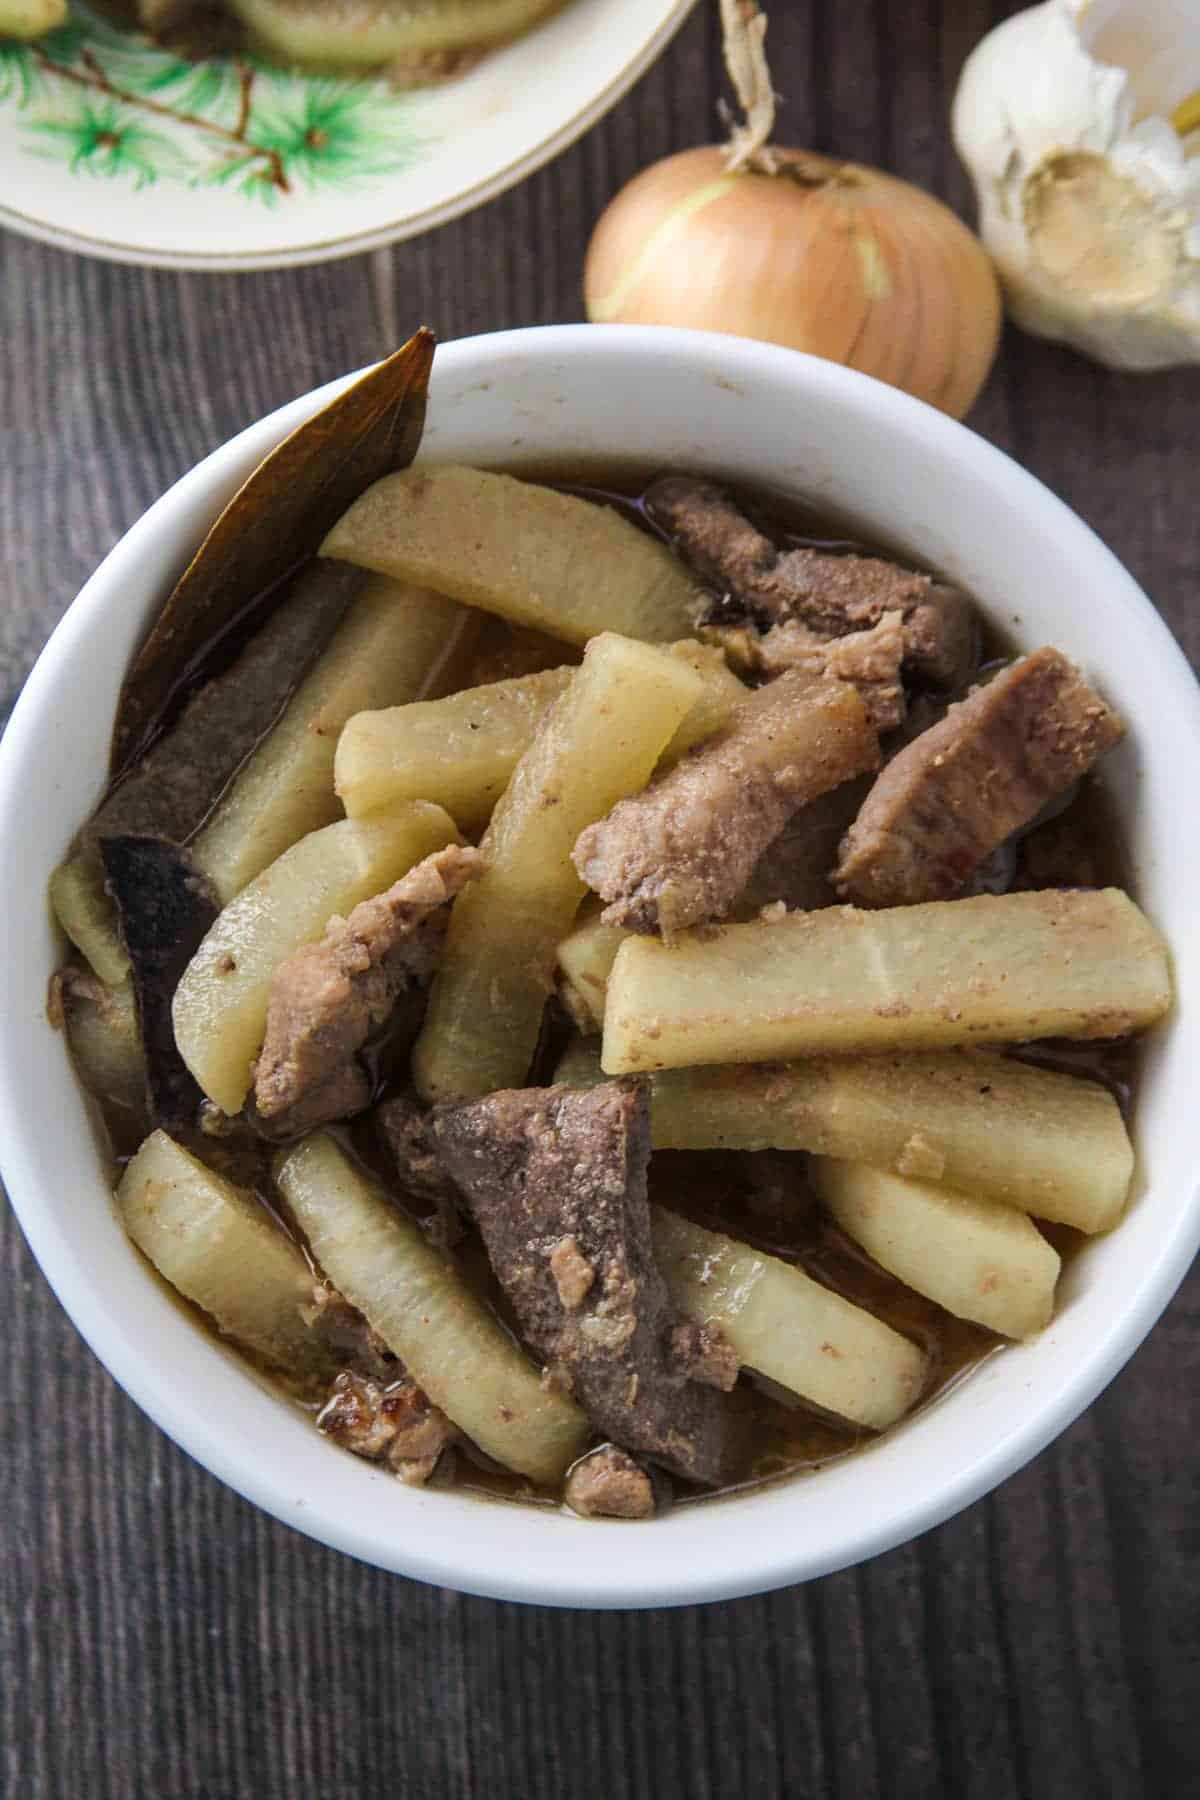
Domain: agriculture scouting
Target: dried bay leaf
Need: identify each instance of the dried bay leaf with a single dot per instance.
(274, 522)
(169, 792)
(164, 907)
(176, 784)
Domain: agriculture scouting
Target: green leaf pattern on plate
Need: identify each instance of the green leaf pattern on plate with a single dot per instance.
(108, 102)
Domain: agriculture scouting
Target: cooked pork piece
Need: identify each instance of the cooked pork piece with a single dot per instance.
(941, 640)
(705, 1354)
(573, 1274)
(680, 853)
(556, 1179)
(608, 1483)
(406, 1128)
(797, 868)
(833, 594)
(350, 1341)
(869, 660)
(397, 1424)
(955, 793)
(1061, 853)
(328, 998)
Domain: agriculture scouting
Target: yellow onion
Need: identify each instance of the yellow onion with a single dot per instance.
(799, 249)
(834, 258)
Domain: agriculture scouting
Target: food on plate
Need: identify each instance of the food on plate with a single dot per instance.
(461, 751)
(585, 959)
(556, 1181)
(813, 600)
(169, 794)
(31, 18)
(163, 911)
(219, 1247)
(274, 522)
(101, 1025)
(413, 43)
(545, 1121)
(328, 999)
(415, 40)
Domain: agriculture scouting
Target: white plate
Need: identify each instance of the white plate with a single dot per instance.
(119, 149)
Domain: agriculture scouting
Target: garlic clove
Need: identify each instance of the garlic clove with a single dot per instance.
(1088, 199)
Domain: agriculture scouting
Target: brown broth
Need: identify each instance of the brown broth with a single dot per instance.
(763, 1199)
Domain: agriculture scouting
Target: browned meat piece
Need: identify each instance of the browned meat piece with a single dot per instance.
(941, 638)
(833, 594)
(772, 1187)
(396, 1424)
(328, 998)
(541, 1165)
(610, 1484)
(348, 1338)
(406, 1130)
(869, 660)
(951, 796)
(196, 27)
(1062, 853)
(797, 868)
(681, 853)
(573, 1273)
(705, 1354)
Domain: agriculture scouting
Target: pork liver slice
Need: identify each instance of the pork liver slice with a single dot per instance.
(541, 1167)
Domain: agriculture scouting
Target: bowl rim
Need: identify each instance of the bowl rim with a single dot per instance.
(769, 1560)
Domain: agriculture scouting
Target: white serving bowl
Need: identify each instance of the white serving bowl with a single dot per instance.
(768, 417)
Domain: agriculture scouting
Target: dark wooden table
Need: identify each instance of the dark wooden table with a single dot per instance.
(158, 1637)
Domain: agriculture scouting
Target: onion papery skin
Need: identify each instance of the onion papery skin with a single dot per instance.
(834, 258)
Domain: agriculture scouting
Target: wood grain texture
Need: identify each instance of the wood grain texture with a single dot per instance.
(158, 1637)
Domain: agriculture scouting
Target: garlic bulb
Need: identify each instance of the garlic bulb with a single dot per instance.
(1079, 122)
